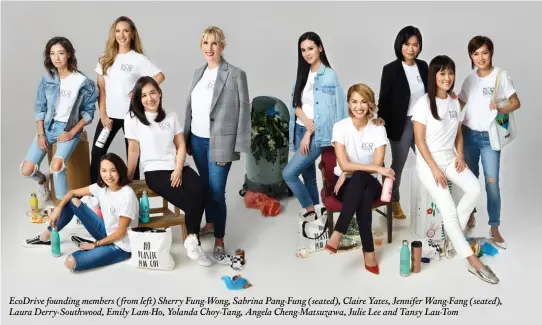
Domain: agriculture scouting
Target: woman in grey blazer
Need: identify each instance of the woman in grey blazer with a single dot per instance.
(217, 128)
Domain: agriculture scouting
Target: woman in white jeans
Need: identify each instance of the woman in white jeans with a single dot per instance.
(437, 132)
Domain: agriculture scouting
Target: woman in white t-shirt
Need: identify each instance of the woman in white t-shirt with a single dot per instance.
(65, 104)
(120, 210)
(477, 93)
(439, 144)
(360, 147)
(157, 137)
(118, 69)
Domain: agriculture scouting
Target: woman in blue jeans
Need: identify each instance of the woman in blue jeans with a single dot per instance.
(318, 103)
(65, 104)
(217, 128)
(120, 209)
(477, 99)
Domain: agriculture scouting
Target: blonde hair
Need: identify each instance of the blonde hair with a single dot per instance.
(112, 48)
(366, 93)
(216, 32)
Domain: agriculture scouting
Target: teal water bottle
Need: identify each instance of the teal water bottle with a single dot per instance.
(144, 208)
(405, 259)
(55, 243)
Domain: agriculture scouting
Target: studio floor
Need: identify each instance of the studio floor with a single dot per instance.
(272, 267)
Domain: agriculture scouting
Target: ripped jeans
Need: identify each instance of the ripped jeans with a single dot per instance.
(63, 150)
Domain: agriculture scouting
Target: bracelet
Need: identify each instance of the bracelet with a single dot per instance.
(96, 244)
(41, 135)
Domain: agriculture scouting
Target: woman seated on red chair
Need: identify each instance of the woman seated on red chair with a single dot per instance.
(360, 147)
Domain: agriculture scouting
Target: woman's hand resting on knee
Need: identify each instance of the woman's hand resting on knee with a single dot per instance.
(176, 177)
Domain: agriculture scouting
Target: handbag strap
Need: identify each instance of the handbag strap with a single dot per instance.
(305, 233)
(497, 84)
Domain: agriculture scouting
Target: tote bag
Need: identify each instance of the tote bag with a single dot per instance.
(151, 248)
(502, 130)
(313, 233)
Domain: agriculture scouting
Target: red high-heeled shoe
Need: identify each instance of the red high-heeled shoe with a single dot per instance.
(372, 269)
(330, 249)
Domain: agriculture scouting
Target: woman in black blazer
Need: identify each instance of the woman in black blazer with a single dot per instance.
(403, 82)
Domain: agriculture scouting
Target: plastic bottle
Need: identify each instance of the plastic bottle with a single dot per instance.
(387, 188)
(34, 207)
(404, 264)
(55, 243)
(144, 208)
(100, 142)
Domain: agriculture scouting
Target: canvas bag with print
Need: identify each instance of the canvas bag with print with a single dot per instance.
(151, 248)
(502, 130)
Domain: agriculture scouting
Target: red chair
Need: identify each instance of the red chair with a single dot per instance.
(332, 204)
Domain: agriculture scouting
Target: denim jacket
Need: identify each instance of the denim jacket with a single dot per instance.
(46, 101)
(330, 107)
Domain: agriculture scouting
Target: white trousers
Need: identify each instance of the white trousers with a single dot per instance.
(454, 218)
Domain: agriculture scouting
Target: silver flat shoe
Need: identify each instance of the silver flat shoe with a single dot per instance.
(449, 250)
(485, 274)
(220, 256)
(494, 241)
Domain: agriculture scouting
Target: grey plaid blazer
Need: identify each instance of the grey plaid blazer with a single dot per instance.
(230, 113)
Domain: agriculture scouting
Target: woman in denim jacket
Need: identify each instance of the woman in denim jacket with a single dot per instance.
(65, 103)
(318, 103)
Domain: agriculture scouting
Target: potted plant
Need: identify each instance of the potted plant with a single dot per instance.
(269, 135)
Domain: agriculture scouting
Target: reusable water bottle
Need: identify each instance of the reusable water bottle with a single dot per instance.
(55, 243)
(100, 142)
(144, 208)
(404, 264)
(387, 188)
(34, 208)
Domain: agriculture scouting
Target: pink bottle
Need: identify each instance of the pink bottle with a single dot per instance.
(387, 188)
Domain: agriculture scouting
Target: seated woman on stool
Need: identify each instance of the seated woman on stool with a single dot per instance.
(120, 209)
(159, 137)
(360, 147)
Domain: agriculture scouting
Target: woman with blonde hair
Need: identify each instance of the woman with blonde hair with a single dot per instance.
(120, 66)
(360, 147)
(217, 128)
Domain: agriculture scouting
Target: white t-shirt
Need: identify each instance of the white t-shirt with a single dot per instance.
(415, 84)
(69, 88)
(156, 146)
(121, 78)
(360, 145)
(201, 98)
(478, 92)
(439, 135)
(123, 203)
(307, 98)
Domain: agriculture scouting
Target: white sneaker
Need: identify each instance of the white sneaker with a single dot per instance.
(194, 251)
(43, 193)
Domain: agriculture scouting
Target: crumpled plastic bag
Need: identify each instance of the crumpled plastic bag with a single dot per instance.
(236, 283)
(269, 207)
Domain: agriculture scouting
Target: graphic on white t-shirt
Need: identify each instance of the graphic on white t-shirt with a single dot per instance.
(69, 89)
(415, 83)
(360, 145)
(439, 135)
(478, 93)
(122, 203)
(201, 99)
(158, 151)
(121, 78)
(307, 98)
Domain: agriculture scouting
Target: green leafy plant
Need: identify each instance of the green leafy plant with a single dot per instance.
(269, 134)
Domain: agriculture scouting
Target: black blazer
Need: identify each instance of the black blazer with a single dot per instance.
(395, 96)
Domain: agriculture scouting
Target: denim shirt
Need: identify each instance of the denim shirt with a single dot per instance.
(46, 100)
(330, 107)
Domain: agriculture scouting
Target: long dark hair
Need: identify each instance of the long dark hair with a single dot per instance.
(120, 166)
(439, 63)
(67, 45)
(303, 67)
(136, 107)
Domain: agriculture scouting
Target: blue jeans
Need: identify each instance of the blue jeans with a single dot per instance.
(99, 256)
(306, 193)
(476, 144)
(214, 177)
(63, 150)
